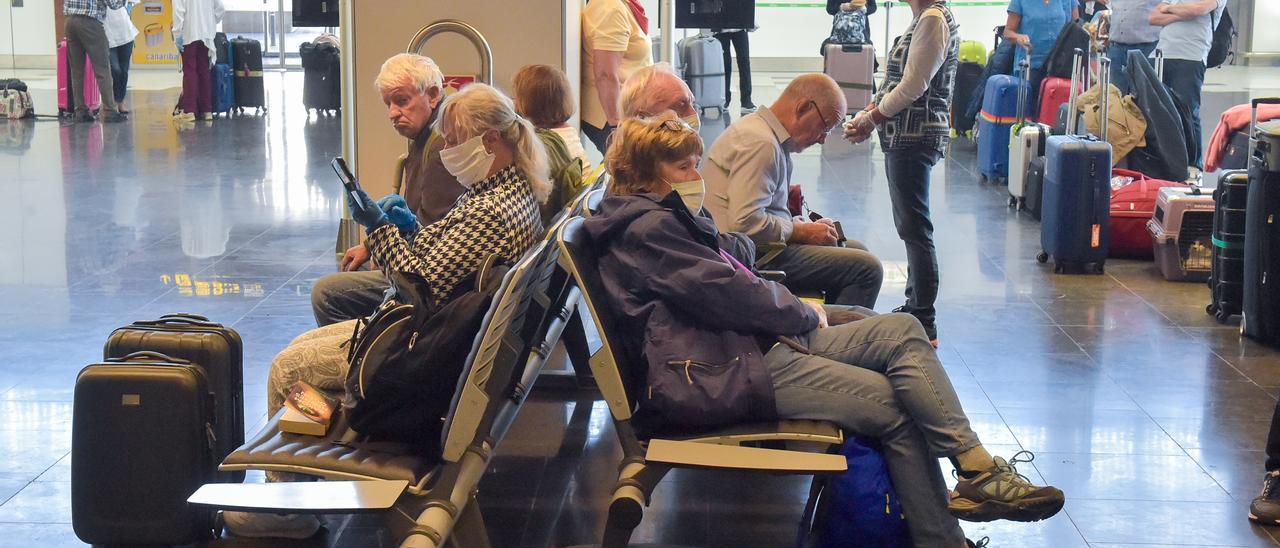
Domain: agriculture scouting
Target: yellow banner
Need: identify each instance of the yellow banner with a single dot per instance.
(154, 45)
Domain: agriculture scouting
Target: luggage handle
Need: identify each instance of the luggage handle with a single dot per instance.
(1253, 124)
(177, 319)
(1104, 88)
(1024, 90)
(1159, 64)
(851, 48)
(1072, 104)
(186, 315)
(148, 355)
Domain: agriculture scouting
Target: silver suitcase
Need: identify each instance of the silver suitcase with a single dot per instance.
(702, 66)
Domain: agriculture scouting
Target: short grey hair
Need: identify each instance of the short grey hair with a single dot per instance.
(633, 91)
(409, 69)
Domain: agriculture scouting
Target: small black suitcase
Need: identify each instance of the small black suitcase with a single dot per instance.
(1034, 197)
(1236, 155)
(213, 347)
(1226, 274)
(321, 76)
(1262, 234)
(247, 56)
(141, 443)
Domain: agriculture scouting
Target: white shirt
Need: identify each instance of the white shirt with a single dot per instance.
(571, 141)
(119, 28)
(197, 20)
(1190, 40)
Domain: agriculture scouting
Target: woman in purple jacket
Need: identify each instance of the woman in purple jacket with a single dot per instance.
(690, 312)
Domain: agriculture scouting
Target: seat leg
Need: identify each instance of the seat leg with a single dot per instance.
(470, 531)
(636, 482)
(574, 338)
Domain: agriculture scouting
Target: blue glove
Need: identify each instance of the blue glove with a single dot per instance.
(365, 211)
(391, 200)
(404, 220)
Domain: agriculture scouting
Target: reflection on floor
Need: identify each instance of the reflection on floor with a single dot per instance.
(1145, 411)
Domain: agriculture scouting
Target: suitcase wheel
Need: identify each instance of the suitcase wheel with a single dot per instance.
(1013, 201)
(1042, 257)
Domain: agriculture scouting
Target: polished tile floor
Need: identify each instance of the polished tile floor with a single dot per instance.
(1146, 412)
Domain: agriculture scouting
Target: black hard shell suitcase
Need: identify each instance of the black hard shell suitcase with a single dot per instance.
(141, 443)
(1226, 275)
(321, 76)
(247, 56)
(1262, 234)
(1033, 201)
(211, 346)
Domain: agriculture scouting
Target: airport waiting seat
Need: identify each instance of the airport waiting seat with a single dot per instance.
(646, 461)
(500, 371)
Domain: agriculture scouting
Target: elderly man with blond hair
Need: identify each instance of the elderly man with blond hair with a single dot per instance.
(411, 87)
(748, 175)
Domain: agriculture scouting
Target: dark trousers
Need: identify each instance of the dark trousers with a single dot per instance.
(197, 84)
(120, 57)
(742, 47)
(908, 172)
(85, 36)
(1273, 442)
(1119, 55)
(1185, 79)
(598, 136)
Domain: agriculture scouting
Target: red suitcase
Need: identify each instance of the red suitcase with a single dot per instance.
(1053, 93)
(1132, 205)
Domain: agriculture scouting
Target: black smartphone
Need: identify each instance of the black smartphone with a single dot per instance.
(840, 239)
(349, 181)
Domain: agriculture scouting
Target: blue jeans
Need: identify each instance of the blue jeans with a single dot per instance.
(849, 275)
(1185, 79)
(879, 378)
(343, 296)
(908, 172)
(120, 57)
(1119, 55)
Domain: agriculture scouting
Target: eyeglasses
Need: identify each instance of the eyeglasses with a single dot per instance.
(827, 127)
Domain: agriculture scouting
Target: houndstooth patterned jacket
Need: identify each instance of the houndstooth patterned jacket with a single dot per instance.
(498, 215)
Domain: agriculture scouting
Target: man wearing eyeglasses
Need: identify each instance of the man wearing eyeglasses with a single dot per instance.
(748, 173)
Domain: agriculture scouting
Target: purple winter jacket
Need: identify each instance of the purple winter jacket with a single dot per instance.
(690, 317)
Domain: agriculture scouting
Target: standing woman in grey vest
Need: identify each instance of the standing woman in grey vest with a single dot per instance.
(911, 114)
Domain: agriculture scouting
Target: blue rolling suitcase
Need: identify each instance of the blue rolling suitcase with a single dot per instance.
(1076, 206)
(223, 78)
(999, 113)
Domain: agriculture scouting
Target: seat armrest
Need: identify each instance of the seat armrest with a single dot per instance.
(306, 497)
(684, 454)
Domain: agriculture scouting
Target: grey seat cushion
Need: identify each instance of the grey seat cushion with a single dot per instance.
(272, 449)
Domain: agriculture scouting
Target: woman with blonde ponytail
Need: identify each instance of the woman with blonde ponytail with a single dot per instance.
(496, 156)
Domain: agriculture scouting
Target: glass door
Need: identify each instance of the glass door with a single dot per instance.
(256, 20)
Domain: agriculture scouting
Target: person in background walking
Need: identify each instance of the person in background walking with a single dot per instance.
(120, 36)
(912, 113)
(615, 44)
(1130, 30)
(195, 22)
(1185, 40)
(738, 38)
(87, 36)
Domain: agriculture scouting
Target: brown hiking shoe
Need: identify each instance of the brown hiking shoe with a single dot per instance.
(1003, 493)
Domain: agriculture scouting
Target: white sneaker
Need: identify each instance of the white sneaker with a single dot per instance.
(268, 525)
(184, 117)
(208, 116)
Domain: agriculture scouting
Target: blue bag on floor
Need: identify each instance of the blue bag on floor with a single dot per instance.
(857, 508)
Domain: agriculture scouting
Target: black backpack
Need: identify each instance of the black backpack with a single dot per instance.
(1063, 53)
(406, 359)
(1224, 33)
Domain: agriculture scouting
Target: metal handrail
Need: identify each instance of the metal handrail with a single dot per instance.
(453, 26)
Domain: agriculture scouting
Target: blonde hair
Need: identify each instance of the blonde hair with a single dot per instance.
(412, 69)
(637, 86)
(543, 95)
(640, 143)
(478, 108)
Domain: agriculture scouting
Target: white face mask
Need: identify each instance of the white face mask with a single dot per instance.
(693, 120)
(469, 162)
(692, 193)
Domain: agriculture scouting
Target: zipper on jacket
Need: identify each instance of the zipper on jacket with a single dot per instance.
(686, 364)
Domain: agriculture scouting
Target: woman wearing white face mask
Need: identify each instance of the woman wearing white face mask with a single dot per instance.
(681, 300)
(495, 154)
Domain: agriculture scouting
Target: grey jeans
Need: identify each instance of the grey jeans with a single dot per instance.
(343, 296)
(880, 378)
(849, 275)
(85, 35)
